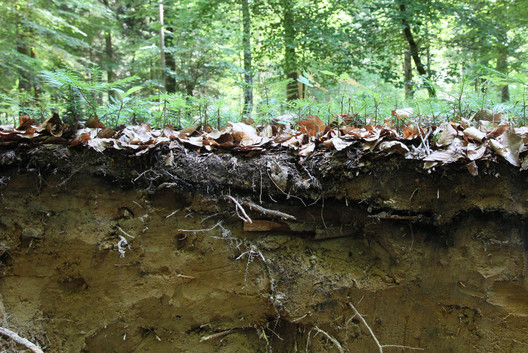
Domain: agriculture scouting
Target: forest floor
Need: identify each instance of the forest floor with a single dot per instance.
(173, 246)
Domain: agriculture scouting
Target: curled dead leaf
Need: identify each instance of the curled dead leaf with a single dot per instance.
(474, 133)
(53, 126)
(25, 122)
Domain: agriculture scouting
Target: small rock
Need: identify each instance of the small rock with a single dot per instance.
(32, 233)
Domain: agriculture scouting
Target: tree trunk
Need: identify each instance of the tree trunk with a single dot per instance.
(109, 58)
(502, 67)
(24, 76)
(290, 60)
(407, 74)
(170, 63)
(162, 47)
(25, 79)
(248, 75)
(414, 50)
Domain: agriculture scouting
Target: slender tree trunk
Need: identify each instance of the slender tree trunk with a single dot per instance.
(162, 46)
(407, 74)
(170, 63)
(502, 67)
(414, 50)
(290, 60)
(108, 62)
(25, 79)
(25, 82)
(248, 74)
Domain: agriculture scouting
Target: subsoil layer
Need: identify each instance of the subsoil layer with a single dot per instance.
(113, 252)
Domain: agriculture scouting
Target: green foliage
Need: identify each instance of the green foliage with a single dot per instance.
(103, 57)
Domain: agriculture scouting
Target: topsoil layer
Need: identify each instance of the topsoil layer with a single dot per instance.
(177, 251)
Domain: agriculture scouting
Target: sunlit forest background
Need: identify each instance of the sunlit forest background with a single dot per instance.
(188, 61)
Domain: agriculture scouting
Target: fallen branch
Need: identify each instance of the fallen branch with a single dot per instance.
(244, 216)
(20, 340)
(380, 346)
(267, 211)
(334, 341)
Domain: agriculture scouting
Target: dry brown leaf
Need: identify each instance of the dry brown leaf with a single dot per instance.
(475, 134)
(188, 131)
(498, 131)
(475, 152)
(455, 152)
(339, 144)
(168, 131)
(513, 143)
(106, 133)
(94, 123)
(245, 134)
(393, 146)
(25, 122)
(80, 139)
(53, 125)
(447, 136)
(502, 151)
(306, 150)
(312, 125)
(136, 135)
(410, 131)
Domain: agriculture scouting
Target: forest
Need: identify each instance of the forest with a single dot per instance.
(213, 61)
(259, 176)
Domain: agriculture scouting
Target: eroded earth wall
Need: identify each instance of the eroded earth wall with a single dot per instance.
(111, 252)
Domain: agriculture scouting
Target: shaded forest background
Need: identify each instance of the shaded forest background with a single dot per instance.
(176, 62)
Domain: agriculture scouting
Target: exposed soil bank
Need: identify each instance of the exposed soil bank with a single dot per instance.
(432, 260)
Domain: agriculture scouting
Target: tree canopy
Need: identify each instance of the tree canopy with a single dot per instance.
(255, 58)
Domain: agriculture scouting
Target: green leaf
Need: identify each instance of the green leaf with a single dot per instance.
(304, 80)
(132, 90)
(329, 73)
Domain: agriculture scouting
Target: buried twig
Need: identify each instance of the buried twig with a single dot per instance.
(380, 346)
(125, 233)
(20, 340)
(172, 213)
(244, 216)
(179, 275)
(267, 211)
(215, 335)
(334, 341)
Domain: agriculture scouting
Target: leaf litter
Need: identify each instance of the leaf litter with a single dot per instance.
(434, 145)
